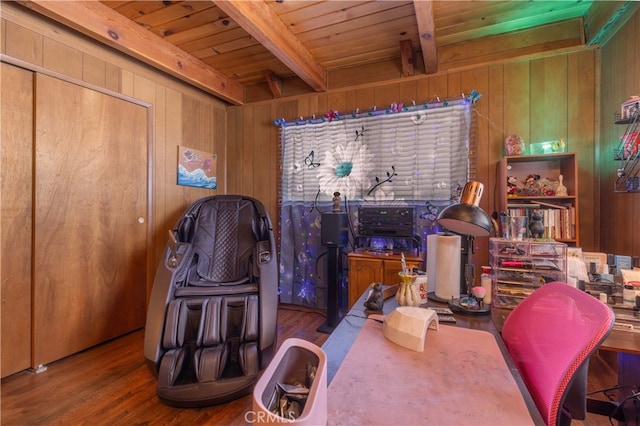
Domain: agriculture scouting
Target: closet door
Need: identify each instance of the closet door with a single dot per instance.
(90, 218)
(16, 143)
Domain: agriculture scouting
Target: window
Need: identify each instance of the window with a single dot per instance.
(412, 155)
(418, 158)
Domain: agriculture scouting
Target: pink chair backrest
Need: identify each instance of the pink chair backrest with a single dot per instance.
(549, 335)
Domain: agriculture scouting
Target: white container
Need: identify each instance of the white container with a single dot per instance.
(629, 293)
(289, 366)
(422, 286)
(485, 281)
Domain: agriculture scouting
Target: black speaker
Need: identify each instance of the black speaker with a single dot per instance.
(334, 229)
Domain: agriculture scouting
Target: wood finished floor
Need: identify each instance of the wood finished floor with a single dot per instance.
(111, 385)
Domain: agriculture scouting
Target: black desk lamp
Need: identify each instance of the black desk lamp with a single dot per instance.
(469, 220)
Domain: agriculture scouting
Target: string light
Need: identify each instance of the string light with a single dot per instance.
(394, 108)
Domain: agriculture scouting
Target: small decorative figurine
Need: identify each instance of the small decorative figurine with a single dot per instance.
(512, 186)
(530, 187)
(561, 190)
(374, 300)
(536, 226)
(336, 202)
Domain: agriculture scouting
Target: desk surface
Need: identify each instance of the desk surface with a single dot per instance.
(342, 338)
(461, 378)
(617, 341)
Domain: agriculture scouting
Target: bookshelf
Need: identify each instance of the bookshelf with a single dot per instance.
(560, 213)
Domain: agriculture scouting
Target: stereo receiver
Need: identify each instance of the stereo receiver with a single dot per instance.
(396, 222)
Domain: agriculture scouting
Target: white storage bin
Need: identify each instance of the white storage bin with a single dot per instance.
(289, 366)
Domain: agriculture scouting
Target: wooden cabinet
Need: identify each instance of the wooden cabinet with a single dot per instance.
(367, 268)
(560, 212)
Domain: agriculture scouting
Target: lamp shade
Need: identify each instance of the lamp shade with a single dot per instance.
(466, 217)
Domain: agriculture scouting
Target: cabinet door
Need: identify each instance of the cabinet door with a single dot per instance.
(391, 270)
(16, 143)
(90, 218)
(362, 272)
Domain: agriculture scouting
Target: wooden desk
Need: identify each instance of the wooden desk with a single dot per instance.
(626, 346)
(341, 340)
(617, 341)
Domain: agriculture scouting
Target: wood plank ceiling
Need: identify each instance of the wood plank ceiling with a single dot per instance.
(231, 47)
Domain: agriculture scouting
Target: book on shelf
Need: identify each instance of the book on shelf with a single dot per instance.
(538, 204)
(553, 205)
(519, 205)
(559, 222)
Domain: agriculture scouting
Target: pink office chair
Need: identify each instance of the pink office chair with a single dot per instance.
(551, 335)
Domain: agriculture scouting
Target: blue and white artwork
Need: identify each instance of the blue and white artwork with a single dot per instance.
(196, 168)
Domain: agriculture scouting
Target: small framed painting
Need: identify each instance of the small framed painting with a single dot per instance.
(196, 168)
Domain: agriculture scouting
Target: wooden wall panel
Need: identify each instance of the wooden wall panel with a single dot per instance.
(581, 135)
(246, 168)
(198, 130)
(62, 58)
(3, 37)
(384, 96)
(438, 87)
(234, 127)
(302, 107)
(113, 77)
(158, 219)
(16, 146)
(23, 43)
(620, 66)
(406, 93)
(496, 109)
(338, 101)
(549, 101)
(265, 159)
(364, 96)
(174, 204)
(495, 116)
(516, 98)
(220, 145)
(94, 70)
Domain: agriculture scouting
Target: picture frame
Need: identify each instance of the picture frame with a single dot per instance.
(196, 168)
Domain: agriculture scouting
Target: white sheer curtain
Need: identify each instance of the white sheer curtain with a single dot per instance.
(418, 158)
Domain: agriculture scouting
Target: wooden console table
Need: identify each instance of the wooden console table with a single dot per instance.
(369, 267)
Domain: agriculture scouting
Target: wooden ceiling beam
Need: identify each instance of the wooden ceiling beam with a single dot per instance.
(274, 82)
(406, 55)
(103, 24)
(265, 26)
(604, 19)
(427, 34)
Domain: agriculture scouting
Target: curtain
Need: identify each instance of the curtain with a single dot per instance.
(416, 157)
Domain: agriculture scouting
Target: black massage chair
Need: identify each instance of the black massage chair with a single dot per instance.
(211, 323)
